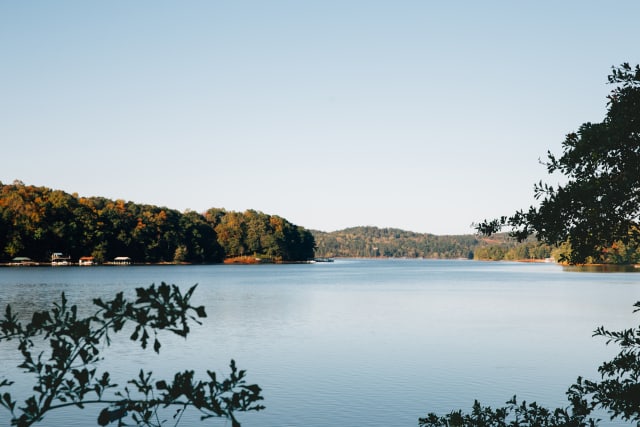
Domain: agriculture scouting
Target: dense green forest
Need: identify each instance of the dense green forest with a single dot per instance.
(37, 221)
(501, 247)
(391, 242)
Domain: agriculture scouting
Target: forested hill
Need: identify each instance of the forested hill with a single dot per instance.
(391, 242)
(38, 221)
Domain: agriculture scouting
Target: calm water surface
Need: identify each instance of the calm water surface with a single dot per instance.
(361, 342)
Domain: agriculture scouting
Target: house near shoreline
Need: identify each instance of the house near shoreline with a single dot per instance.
(122, 260)
(86, 260)
(22, 260)
(57, 258)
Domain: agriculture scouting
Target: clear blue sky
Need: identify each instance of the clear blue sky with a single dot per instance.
(426, 116)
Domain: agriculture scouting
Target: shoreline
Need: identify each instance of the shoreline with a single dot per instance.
(252, 260)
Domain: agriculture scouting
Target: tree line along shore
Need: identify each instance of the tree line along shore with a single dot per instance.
(46, 225)
(42, 226)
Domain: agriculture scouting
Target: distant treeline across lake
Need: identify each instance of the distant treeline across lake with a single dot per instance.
(38, 223)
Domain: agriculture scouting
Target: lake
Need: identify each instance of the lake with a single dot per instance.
(360, 342)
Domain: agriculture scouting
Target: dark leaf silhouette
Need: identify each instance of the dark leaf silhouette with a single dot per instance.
(66, 373)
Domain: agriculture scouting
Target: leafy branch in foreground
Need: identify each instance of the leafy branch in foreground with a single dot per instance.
(617, 393)
(513, 415)
(599, 205)
(61, 350)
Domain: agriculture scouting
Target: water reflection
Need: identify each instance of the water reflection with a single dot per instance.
(602, 268)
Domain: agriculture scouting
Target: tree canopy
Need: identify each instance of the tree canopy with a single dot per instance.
(599, 205)
(38, 221)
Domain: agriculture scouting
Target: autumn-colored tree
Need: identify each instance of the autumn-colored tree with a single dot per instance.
(37, 221)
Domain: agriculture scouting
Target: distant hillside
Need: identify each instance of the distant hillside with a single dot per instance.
(392, 242)
(372, 242)
(36, 222)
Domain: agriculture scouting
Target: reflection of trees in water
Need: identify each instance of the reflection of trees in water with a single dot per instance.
(602, 268)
